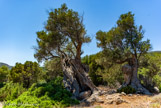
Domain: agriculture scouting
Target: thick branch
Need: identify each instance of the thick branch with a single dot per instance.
(78, 53)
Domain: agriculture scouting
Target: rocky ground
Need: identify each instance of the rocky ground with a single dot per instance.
(108, 98)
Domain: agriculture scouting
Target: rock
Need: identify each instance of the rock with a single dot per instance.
(94, 98)
(129, 94)
(109, 102)
(97, 93)
(115, 98)
(91, 99)
(84, 103)
(111, 91)
(138, 94)
(123, 93)
(119, 101)
(99, 100)
(85, 94)
(156, 89)
(104, 92)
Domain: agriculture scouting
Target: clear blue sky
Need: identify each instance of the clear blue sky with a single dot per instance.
(21, 19)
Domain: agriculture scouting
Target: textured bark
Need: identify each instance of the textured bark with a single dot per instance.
(130, 76)
(76, 78)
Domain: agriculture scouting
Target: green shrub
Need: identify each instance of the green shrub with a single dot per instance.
(160, 88)
(44, 95)
(1, 85)
(127, 90)
(11, 91)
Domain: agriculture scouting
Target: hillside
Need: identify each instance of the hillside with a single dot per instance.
(4, 64)
(152, 52)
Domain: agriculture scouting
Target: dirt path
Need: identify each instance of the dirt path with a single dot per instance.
(1, 105)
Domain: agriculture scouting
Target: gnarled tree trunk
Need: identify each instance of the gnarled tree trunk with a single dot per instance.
(76, 78)
(130, 76)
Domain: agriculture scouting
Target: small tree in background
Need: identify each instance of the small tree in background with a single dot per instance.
(4, 72)
(123, 43)
(26, 74)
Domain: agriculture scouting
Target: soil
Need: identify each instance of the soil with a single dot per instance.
(130, 101)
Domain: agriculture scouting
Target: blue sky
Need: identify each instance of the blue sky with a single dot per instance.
(21, 19)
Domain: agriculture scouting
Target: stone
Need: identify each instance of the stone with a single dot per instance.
(84, 103)
(97, 93)
(99, 100)
(138, 94)
(84, 94)
(114, 98)
(123, 93)
(119, 101)
(129, 94)
(104, 92)
(94, 98)
(156, 89)
(91, 99)
(111, 91)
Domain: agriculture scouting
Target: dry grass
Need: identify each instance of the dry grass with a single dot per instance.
(156, 101)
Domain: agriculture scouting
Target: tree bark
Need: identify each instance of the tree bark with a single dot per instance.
(76, 78)
(130, 72)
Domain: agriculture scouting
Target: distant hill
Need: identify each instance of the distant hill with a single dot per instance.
(155, 52)
(4, 64)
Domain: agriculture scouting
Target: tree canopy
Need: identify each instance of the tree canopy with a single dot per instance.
(124, 40)
(27, 73)
(64, 34)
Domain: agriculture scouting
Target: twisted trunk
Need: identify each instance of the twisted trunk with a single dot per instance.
(76, 79)
(130, 72)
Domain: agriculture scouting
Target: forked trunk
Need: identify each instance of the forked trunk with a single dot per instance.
(76, 78)
(130, 76)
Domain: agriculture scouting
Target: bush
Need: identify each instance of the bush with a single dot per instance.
(26, 74)
(4, 71)
(160, 88)
(44, 95)
(127, 90)
(1, 85)
(11, 91)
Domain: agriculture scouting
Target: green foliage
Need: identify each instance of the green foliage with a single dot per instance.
(64, 34)
(26, 74)
(44, 95)
(127, 90)
(160, 88)
(94, 68)
(123, 41)
(11, 91)
(149, 71)
(102, 71)
(4, 72)
(53, 69)
(113, 75)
